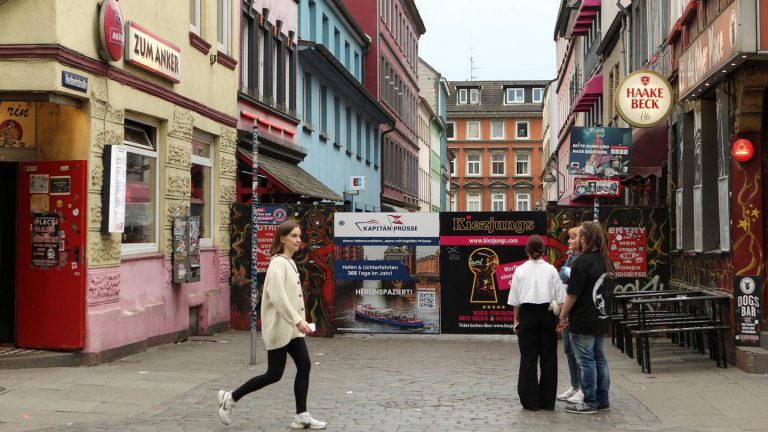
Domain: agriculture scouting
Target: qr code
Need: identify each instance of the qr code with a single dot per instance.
(426, 300)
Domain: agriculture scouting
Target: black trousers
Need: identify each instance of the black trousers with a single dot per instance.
(538, 345)
(276, 359)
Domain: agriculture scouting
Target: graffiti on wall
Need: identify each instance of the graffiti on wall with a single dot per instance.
(314, 259)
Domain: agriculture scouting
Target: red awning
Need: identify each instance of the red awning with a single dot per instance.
(584, 17)
(649, 151)
(590, 94)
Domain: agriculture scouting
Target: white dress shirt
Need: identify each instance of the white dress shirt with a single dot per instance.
(534, 282)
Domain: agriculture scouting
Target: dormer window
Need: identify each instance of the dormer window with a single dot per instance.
(514, 95)
(468, 96)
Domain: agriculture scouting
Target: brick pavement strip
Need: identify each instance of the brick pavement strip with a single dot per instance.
(404, 383)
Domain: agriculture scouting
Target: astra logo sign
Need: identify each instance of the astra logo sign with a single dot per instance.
(394, 223)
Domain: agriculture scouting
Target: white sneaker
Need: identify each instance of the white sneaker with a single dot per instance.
(577, 397)
(566, 394)
(305, 421)
(226, 403)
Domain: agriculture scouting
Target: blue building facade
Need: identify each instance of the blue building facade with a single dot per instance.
(340, 119)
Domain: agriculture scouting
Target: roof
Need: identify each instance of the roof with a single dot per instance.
(492, 98)
(293, 177)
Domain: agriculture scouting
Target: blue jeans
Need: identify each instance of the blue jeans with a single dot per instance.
(595, 379)
(573, 366)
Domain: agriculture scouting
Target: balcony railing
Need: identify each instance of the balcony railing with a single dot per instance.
(591, 58)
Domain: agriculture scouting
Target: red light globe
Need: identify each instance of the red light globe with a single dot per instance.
(742, 150)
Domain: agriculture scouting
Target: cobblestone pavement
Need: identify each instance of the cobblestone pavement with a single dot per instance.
(376, 383)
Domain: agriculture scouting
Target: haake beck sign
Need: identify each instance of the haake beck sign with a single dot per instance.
(644, 98)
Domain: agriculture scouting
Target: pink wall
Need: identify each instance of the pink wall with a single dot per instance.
(286, 11)
(137, 301)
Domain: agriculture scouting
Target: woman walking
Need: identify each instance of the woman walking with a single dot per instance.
(534, 285)
(573, 394)
(586, 316)
(284, 325)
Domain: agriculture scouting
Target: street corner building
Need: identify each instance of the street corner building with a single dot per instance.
(118, 166)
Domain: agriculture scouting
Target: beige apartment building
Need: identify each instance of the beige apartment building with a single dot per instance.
(113, 127)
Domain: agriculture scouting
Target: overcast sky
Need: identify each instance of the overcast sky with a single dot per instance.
(509, 39)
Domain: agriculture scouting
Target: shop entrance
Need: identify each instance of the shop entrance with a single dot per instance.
(8, 187)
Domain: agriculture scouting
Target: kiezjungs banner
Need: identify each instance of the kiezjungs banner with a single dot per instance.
(386, 271)
(479, 252)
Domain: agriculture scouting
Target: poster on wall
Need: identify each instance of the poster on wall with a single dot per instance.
(45, 240)
(627, 249)
(17, 125)
(479, 253)
(746, 292)
(269, 218)
(600, 152)
(387, 273)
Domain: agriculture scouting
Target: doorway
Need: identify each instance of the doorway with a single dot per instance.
(8, 186)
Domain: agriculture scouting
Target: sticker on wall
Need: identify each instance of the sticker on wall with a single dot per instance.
(59, 203)
(60, 185)
(38, 183)
(75, 212)
(39, 203)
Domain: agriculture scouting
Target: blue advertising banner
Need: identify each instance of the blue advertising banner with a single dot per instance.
(600, 152)
(387, 277)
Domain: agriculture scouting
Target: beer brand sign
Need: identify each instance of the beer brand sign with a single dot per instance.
(644, 99)
(111, 31)
(150, 52)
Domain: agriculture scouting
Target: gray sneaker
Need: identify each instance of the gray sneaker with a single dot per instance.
(305, 421)
(580, 408)
(226, 403)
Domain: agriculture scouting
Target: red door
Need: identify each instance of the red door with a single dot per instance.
(50, 285)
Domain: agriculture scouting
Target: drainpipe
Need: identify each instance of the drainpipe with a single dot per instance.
(381, 174)
(625, 39)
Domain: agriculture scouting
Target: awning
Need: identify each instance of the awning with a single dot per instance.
(393, 208)
(649, 151)
(587, 13)
(292, 177)
(590, 94)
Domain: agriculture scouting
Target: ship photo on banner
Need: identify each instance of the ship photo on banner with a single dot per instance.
(387, 273)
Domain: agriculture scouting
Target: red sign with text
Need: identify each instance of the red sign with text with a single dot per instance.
(627, 249)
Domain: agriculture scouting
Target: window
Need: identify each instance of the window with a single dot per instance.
(453, 167)
(337, 119)
(200, 200)
(497, 130)
(368, 141)
(515, 95)
(523, 201)
(521, 130)
(538, 95)
(223, 25)
(474, 96)
(308, 100)
(346, 55)
(462, 96)
(140, 234)
(473, 202)
(194, 16)
(336, 43)
(522, 164)
(473, 164)
(450, 130)
(326, 32)
(349, 130)
(357, 65)
(498, 164)
(473, 130)
(312, 20)
(452, 205)
(324, 109)
(498, 202)
(359, 136)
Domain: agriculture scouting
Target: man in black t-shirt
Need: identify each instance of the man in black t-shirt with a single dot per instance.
(586, 316)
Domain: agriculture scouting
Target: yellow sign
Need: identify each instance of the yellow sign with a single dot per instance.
(17, 124)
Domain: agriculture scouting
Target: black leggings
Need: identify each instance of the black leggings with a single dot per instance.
(276, 358)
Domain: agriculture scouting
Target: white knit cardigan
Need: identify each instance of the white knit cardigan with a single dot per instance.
(282, 304)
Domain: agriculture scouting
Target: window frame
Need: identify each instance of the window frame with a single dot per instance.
(479, 130)
(527, 128)
(527, 164)
(541, 95)
(452, 202)
(452, 164)
(474, 93)
(503, 164)
(503, 129)
(469, 163)
(494, 201)
(479, 201)
(224, 26)
(453, 135)
(194, 17)
(206, 162)
(513, 100)
(462, 96)
(518, 200)
(149, 247)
